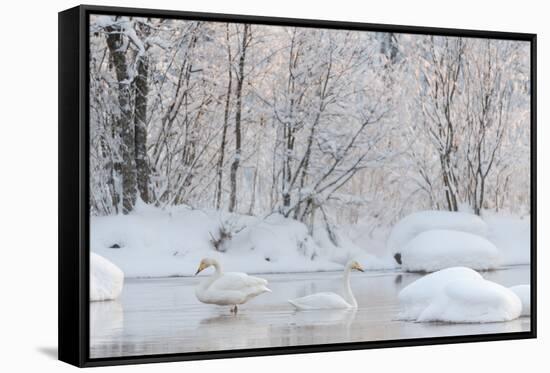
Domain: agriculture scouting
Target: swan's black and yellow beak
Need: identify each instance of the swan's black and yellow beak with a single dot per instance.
(360, 269)
(202, 266)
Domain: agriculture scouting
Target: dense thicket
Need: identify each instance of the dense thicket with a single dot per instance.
(318, 125)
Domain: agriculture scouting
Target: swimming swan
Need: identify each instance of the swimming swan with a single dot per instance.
(228, 289)
(319, 301)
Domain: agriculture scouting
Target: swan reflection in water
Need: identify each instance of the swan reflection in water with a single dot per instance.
(163, 315)
(330, 300)
(314, 317)
(279, 326)
(224, 319)
(344, 317)
(106, 319)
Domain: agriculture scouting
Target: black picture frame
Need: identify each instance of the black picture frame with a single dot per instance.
(74, 189)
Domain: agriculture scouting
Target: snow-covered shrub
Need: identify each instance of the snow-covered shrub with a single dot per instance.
(524, 294)
(225, 232)
(458, 295)
(106, 279)
(438, 249)
(418, 222)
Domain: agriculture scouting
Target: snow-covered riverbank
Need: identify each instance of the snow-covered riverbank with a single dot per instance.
(152, 242)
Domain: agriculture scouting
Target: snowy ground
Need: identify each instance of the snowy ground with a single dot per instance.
(163, 316)
(155, 243)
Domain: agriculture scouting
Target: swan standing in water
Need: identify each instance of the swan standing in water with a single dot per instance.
(228, 289)
(320, 301)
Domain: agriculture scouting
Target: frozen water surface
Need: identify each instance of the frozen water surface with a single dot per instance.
(156, 316)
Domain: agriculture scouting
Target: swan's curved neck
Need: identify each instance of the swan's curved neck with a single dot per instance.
(218, 267)
(348, 294)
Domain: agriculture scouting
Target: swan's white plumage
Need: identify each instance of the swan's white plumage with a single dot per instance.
(329, 300)
(231, 288)
(320, 301)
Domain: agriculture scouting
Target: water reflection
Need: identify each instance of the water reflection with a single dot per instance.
(107, 319)
(163, 316)
(342, 318)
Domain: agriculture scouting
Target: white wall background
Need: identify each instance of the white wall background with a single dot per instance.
(28, 183)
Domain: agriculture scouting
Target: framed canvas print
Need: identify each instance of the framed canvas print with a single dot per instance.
(236, 186)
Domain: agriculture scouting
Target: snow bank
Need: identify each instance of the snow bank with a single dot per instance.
(473, 301)
(438, 249)
(512, 236)
(370, 235)
(152, 242)
(106, 279)
(418, 222)
(524, 294)
(458, 295)
(417, 296)
(346, 250)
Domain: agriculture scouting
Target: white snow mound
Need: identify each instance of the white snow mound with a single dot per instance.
(418, 222)
(155, 242)
(524, 294)
(106, 279)
(458, 295)
(418, 295)
(439, 249)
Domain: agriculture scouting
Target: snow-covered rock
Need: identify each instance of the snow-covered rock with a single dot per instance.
(434, 250)
(458, 295)
(412, 225)
(106, 279)
(473, 301)
(417, 296)
(524, 294)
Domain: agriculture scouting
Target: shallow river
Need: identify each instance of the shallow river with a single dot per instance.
(155, 316)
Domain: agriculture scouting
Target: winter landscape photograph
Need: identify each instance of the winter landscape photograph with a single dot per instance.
(257, 186)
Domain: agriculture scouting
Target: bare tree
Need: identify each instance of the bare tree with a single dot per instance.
(245, 42)
(141, 87)
(126, 166)
(487, 115)
(321, 126)
(225, 119)
(439, 73)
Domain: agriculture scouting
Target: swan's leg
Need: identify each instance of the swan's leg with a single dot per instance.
(236, 309)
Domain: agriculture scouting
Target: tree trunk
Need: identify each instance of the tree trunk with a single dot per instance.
(287, 166)
(126, 165)
(225, 123)
(449, 183)
(238, 109)
(111, 183)
(140, 122)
